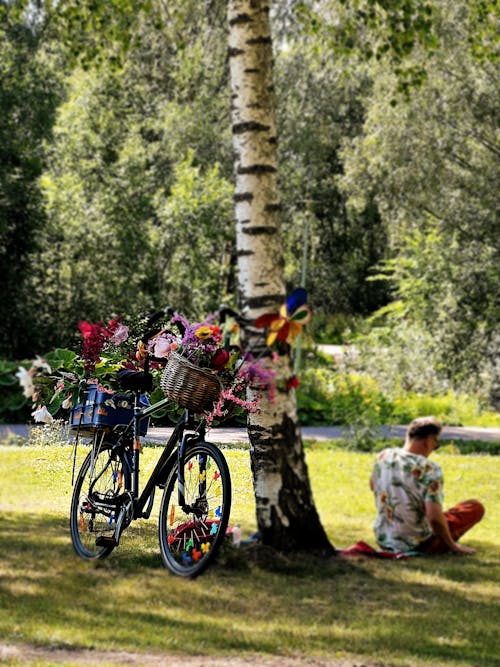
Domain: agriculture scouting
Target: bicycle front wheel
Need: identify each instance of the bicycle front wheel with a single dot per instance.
(104, 476)
(192, 528)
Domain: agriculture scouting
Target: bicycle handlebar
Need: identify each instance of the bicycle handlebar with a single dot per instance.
(149, 333)
(225, 311)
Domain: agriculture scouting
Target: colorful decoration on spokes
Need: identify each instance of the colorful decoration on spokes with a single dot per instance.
(287, 324)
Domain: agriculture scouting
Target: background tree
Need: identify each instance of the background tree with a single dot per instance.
(321, 105)
(431, 162)
(388, 148)
(29, 93)
(134, 178)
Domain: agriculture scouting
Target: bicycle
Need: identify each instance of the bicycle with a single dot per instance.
(193, 473)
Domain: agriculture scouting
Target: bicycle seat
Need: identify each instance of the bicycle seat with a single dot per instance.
(135, 380)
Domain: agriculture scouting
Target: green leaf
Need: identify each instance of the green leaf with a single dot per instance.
(60, 358)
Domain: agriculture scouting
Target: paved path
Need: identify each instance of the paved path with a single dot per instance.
(240, 435)
(228, 435)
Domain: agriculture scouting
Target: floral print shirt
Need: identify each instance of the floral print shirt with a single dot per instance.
(402, 483)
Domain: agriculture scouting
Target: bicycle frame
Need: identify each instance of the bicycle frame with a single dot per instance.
(178, 439)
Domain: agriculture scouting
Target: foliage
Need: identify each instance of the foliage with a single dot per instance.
(29, 93)
(329, 247)
(137, 203)
(194, 238)
(431, 162)
(57, 381)
(12, 401)
(357, 400)
(328, 397)
(334, 328)
(377, 29)
(115, 174)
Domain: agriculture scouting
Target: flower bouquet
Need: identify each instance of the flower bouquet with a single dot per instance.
(56, 381)
(206, 370)
(202, 367)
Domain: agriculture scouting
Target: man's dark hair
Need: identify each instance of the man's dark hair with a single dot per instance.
(423, 427)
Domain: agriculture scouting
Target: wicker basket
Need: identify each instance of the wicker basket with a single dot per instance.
(188, 385)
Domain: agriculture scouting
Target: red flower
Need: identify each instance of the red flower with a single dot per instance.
(292, 383)
(219, 360)
(94, 337)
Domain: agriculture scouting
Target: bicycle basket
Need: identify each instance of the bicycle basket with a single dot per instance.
(189, 386)
(101, 409)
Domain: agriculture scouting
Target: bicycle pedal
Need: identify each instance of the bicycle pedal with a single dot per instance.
(105, 541)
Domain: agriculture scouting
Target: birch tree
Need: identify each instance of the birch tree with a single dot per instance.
(286, 516)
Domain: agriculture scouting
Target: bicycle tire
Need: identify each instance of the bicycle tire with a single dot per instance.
(105, 472)
(190, 538)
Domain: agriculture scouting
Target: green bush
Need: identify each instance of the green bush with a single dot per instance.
(325, 396)
(333, 328)
(450, 408)
(14, 407)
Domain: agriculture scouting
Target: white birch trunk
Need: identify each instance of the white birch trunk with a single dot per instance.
(286, 516)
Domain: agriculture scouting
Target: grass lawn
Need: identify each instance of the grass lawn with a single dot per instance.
(441, 611)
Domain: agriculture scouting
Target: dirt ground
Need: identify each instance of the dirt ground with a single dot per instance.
(26, 655)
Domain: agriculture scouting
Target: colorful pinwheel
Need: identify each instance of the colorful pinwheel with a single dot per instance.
(286, 325)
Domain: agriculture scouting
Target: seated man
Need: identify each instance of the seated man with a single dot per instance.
(408, 491)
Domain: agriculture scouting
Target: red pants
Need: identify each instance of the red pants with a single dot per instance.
(460, 518)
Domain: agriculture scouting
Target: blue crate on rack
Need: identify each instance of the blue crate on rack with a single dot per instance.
(102, 409)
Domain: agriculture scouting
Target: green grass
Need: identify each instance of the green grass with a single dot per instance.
(423, 611)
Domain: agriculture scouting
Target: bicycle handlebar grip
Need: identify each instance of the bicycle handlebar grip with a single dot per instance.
(168, 311)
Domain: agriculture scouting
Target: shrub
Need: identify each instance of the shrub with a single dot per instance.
(14, 407)
(325, 396)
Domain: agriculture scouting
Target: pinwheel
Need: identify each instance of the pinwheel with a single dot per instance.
(287, 324)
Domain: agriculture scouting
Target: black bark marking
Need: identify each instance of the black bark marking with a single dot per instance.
(233, 51)
(241, 18)
(257, 169)
(268, 301)
(259, 40)
(245, 253)
(250, 126)
(273, 208)
(242, 196)
(255, 231)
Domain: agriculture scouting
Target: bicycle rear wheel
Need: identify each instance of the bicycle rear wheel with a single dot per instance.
(104, 476)
(191, 534)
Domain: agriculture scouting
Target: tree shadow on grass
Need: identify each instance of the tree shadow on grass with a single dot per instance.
(437, 610)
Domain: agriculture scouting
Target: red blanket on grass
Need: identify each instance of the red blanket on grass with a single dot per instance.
(364, 549)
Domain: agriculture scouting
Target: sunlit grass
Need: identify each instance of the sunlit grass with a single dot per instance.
(422, 611)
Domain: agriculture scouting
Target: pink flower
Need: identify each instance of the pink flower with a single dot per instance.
(104, 390)
(162, 348)
(120, 334)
